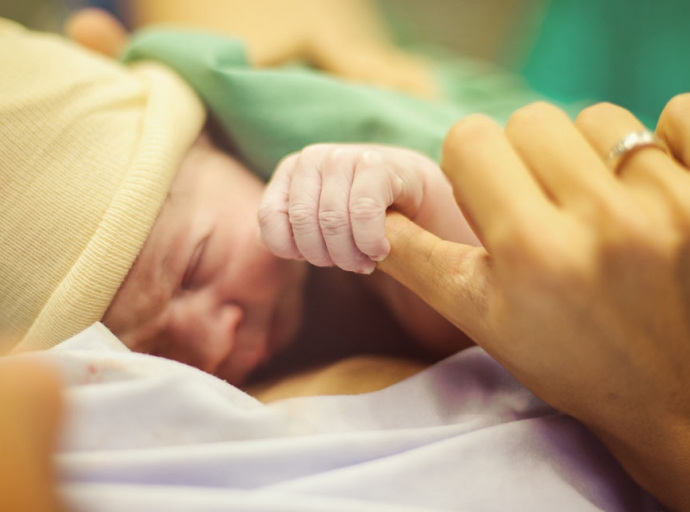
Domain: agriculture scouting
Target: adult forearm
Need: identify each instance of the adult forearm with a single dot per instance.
(30, 408)
(347, 38)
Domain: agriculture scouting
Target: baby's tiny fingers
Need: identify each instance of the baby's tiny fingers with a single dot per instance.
(274, 221)
(303, 210)
(276, 232)
(334, 214)
(368, 219)
(374, 189)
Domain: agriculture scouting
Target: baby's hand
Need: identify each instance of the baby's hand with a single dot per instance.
(327, 204)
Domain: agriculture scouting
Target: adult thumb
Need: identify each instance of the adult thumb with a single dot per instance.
(454, 279)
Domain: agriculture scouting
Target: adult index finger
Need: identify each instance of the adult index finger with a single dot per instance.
(454, 279)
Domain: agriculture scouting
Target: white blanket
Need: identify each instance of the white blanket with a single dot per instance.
(146, 434)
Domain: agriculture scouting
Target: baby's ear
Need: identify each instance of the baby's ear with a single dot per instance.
(97, 30)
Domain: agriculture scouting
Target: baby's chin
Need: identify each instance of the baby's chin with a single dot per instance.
(282, 331)
(240, 364)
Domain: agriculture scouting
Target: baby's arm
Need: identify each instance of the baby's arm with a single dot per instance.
(327, 205)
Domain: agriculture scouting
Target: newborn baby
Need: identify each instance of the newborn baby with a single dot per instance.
(206, 290)
(179, 269)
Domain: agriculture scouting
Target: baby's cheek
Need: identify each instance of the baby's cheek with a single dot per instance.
(135, 317)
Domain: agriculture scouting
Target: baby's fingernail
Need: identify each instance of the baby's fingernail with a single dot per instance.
(385, 251)
(367, 270)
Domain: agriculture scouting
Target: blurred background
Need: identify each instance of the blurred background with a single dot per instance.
(469, 27)
(630, 52)
(39, 14)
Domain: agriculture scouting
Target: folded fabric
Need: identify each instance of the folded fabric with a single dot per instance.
(145, 433)
(270, 113)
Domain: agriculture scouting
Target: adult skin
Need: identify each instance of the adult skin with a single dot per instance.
(30, 410)
(582, 289)
(346, 38)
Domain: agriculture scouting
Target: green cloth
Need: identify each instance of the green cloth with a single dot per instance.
(270, 113)
(631, 52)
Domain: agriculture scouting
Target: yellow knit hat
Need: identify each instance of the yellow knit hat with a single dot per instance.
(88, 150)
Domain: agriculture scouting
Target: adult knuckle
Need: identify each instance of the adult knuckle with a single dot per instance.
(614, 209)
(463, 134)
(555, 270)
(534, 113)
(537, 255)
(593, 116)
(660, 237)
(514, 243)
(627, 219)
(628, 234)
(474, 125)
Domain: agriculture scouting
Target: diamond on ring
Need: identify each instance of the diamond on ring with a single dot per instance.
(631, 143)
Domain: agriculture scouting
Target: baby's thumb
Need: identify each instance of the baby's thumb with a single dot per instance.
(452, 278)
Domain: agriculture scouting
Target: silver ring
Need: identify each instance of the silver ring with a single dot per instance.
(631, 143)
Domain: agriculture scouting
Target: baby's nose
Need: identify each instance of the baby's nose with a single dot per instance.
(203, 331)
(220, 336)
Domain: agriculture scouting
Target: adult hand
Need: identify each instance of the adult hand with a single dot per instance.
(97, 30)
(327, 205)
(30, 410)
(344, 37)
(583, 288)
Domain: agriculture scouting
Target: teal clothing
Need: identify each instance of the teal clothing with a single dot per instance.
(270, 113)
(635, 53)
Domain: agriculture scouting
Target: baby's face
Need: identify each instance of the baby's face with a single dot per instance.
(204, 290)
